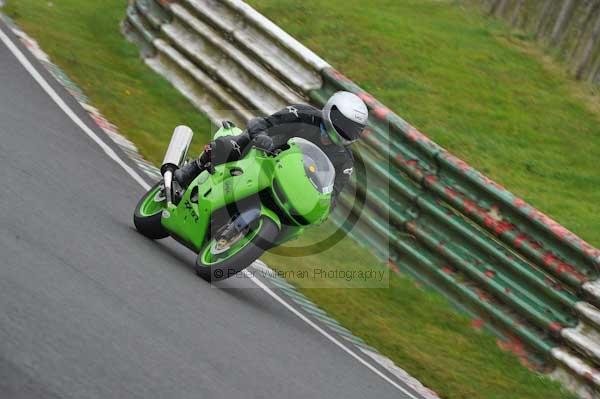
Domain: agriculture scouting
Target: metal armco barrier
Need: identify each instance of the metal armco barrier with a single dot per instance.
(513, 269)
(222, 56)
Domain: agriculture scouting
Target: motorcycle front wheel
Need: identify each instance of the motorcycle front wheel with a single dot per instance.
(219, 260)
(148, 212)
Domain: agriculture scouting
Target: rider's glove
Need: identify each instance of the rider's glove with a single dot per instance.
(256, 126)
(206, 155)
(263, 142)
(206, 159)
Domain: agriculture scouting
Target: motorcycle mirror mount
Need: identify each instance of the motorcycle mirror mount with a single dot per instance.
(175, 156)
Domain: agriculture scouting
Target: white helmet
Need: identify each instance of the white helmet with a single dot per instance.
(345, 116)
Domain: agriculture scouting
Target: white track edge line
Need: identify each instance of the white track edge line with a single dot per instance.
(67, 110)
(261, 285)
(113, 155)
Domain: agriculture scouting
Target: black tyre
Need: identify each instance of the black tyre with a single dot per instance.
(220, 266)
(148, 211)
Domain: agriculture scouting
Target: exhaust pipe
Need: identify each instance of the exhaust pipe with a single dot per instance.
(174, 157)
(178, 148)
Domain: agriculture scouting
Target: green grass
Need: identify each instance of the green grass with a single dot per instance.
(451, 73)
(472, 87)
(416, 328)
(84, 39)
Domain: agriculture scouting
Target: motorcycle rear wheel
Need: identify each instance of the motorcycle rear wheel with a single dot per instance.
(216, 264)
(148, 213)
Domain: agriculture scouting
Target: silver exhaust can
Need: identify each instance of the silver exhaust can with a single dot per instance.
(178, 148)
(174, 157)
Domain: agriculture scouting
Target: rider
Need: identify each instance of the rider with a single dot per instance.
(332, 129)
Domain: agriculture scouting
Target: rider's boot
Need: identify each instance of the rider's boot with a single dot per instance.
(186, 174)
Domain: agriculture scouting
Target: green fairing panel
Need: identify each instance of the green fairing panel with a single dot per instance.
(188, 221)
(230, 183)
(301, 195)
(304, 178)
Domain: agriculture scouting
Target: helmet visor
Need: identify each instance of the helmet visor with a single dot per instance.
(346, 127)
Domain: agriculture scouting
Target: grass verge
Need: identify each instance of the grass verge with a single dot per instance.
(473, 87)
(415, 328)
(84, 39)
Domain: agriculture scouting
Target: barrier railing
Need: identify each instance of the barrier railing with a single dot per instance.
(516, 271)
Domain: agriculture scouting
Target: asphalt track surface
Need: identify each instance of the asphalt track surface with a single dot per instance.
(89, 308)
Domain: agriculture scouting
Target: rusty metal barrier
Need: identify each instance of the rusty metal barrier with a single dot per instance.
(507, 264)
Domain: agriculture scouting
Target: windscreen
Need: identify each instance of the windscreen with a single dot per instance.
(317, 165)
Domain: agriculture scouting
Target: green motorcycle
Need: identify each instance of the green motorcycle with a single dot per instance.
(231, 216)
